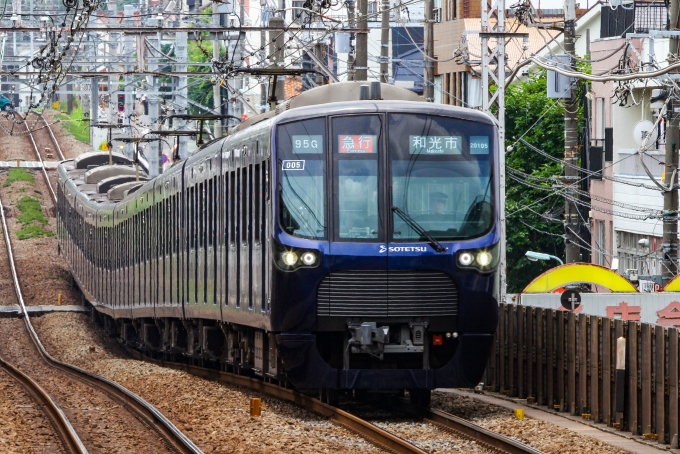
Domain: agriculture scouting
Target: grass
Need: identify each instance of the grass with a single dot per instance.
(74, 124)
(32, 219)
(18, 174)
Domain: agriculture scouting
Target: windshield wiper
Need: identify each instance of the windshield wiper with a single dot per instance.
(436, 245)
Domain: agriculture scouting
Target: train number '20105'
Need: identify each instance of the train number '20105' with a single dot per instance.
(293, 165)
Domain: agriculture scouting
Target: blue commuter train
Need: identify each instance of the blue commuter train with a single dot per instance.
(336, 243)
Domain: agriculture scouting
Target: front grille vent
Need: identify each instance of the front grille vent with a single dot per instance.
(387, 294)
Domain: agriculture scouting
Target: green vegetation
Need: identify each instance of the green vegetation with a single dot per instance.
(76, 124)
(32, 219)
(18, 174)
(534, 221)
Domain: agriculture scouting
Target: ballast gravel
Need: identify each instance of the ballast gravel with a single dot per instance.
(24, 428)
(541, 435)
(215, 417)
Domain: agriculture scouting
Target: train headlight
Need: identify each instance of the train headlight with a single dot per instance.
(465, 258)
(484, 258)
(289, 258)
(308, 258)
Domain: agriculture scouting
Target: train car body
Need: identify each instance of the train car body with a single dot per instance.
(345, 245)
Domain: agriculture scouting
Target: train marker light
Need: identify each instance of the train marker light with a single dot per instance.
(437, 339)
(289, 258)
(308, 258)
(484, 258)
(465, 259)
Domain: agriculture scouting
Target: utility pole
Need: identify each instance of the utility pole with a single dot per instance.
(493, 73)
(385, 43)
(669, 267)
(361, 72)
(571, 150)
(428, 41)
(352, 41)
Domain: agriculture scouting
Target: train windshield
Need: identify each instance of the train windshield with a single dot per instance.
(356, 148)
(441, 176)
(302, 170)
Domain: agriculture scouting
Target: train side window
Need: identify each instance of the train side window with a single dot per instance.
(232, 208)
(257, 204)
(210, 200)
(192, 218)
(244, 201)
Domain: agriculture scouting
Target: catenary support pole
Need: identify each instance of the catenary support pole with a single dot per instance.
(217, 96)
(493, 74)
(352, 40)
(361, 68)
(571, 146)
(385, 43)
(669, 267)
(428, 41)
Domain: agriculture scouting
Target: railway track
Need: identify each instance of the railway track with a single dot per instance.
(40, 136)
(383, 438)
(164, 431)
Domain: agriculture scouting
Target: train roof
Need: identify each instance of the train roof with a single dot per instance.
(101, 183)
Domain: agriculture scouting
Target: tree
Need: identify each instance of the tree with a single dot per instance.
(534, 220)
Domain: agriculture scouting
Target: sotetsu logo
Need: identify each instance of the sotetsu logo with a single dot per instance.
(402, 249)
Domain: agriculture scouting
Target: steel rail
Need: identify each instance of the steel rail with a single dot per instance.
(463, 427)
(42, 163)
(140, 408)
(372, 433)
(65, 430)
(59, 420)
(54, 139)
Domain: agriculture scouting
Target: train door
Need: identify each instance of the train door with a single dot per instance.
(244, 231)
(257, 195)
(191, 262)
(358, 219)
(200, 239)
(232, 255)
(210, 240)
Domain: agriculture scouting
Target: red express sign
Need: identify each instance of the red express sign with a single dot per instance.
(357, 144)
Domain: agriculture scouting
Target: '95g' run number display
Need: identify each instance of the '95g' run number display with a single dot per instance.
(307, 144)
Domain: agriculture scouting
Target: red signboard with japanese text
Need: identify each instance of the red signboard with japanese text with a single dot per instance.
(357, 144)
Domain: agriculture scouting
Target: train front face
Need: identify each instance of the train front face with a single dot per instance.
(385, 245)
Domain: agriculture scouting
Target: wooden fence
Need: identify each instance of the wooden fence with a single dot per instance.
(567, 362)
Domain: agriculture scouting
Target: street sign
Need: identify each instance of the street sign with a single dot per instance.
(570, 299)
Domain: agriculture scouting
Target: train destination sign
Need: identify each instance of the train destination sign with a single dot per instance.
(307, 144)
(357, 144)
(435, 144)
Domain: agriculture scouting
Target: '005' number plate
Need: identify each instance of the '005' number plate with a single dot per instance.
(293, 165)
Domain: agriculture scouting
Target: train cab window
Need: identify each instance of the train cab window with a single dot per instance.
(441, 176)
(356, 142)
(301, 163)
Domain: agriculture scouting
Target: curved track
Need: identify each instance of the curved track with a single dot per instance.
(59, 421)
(376, 435)
(172, 437)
